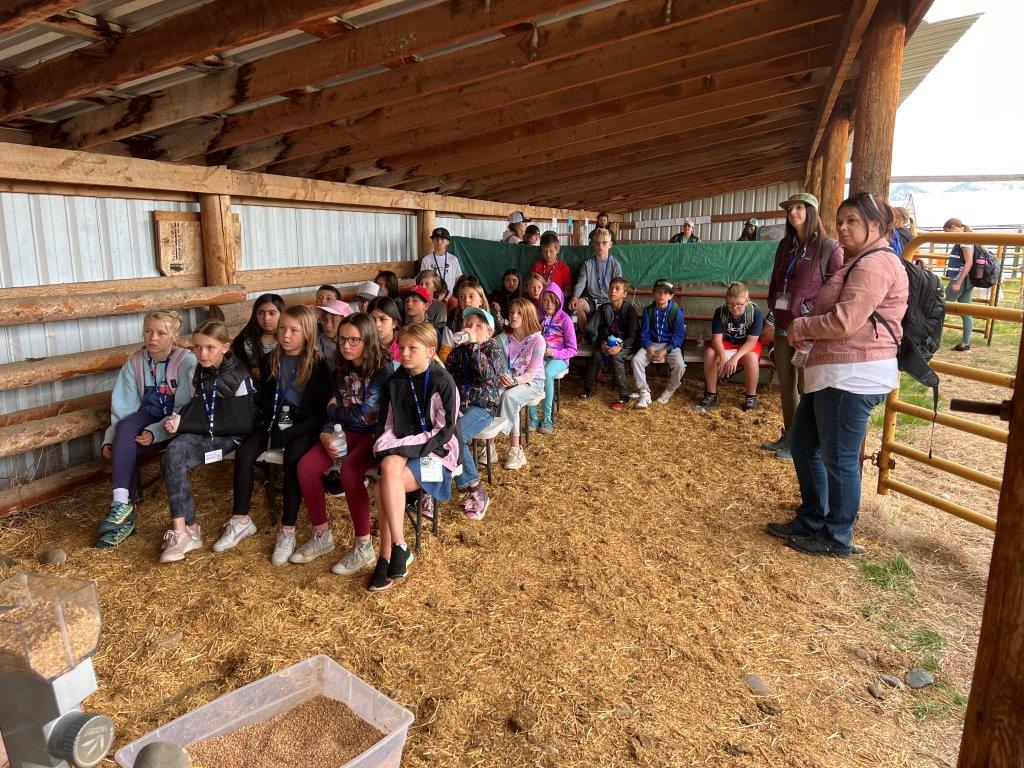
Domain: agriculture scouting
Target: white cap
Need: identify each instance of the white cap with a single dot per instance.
(368, 290)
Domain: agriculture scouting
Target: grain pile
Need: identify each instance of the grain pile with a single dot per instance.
(320, 733)
(31, 638)
(605, 613)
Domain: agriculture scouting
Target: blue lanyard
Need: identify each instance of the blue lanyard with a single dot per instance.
(424, 422)
(279, 393)
(797, 254)
(161, 396)
(660, 320)
(211, 402)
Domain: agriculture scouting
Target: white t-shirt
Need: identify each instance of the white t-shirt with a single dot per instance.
(447, 267)
(873, 377)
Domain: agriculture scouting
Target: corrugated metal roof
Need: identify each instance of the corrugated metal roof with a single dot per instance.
(930, 43)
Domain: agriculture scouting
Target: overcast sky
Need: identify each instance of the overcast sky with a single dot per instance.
(938, 130)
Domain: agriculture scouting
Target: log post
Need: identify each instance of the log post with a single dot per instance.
(878, 93)
(833, 171)
(426, 221)
(578, 235)
(221, 250)
(21, 497)
(815, 181)
(20, 438)
(994, 725)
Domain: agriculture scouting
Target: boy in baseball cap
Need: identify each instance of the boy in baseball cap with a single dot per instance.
(445, 264)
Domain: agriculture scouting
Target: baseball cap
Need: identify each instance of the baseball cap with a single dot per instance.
(441, 232)
(533, 229)
(368, 290)
(487, 316)
(661, 284)
(800, 197)
(688, 221)
(334, 307)
(518, 217)
(752, 221)
(417, 290)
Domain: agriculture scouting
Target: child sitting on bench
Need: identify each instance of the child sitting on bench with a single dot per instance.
(662, 333)
(735, 342)
(616, 324)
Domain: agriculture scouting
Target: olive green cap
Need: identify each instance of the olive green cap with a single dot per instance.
(800, 197)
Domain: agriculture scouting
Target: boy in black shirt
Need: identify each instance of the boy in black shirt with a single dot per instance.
(615, 328)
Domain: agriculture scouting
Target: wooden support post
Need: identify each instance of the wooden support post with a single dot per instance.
(878, 93)
(426, 221)
(615, 230)
(815, 181)
(994, 725)
(221, 251)
(833, 171)
(578, 235)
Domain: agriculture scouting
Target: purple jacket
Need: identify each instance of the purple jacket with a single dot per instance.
(558, 330)
(799, 274)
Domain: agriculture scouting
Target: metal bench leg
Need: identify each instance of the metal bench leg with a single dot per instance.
(270, 488)
(487, 461)
(524, 430)
(558, 400)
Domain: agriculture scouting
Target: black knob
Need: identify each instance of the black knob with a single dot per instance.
(83, 739)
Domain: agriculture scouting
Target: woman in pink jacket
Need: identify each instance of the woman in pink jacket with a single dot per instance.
(850, 368)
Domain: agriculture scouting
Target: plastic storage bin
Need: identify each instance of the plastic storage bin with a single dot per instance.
(281, 692)
(48, 624)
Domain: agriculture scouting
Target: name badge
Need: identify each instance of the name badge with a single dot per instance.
(782, 301)
(430, 469)
(212, 457)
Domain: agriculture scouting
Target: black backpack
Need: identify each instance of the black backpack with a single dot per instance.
(922, 323)
(986, 269)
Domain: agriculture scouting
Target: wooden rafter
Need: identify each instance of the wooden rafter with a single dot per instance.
(544, 91)
(845, 54)
(83, 25)
(646, 117)
(636, 168)
(375, 44)
(636, 35)
(191, 36)
(20, 13)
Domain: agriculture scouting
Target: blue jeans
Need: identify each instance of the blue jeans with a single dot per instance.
(552, 368)
(963, 296)
(826, 436)
(473, 422)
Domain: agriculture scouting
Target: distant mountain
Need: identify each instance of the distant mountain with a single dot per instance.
(898, 193)
(967, 186)
(987, 186)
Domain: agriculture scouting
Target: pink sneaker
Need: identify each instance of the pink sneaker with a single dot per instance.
(476, 503)
(427, 507)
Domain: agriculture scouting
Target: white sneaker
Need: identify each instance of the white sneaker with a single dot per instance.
(492, 452)
(284, 547)
(317, 544)
(516, 458)
(666, 396)
(357, 558)
(234, 532)
(177, 544)
(644, 401)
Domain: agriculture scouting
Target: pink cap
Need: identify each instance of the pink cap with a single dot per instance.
(334, 307)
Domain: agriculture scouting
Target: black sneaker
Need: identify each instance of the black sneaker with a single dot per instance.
(787, 530)
(380, 581)
(750, 403)
(812, 545)
(710, 401)
(962, 347)
(400, 559)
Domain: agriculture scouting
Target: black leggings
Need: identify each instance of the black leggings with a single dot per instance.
(245, 458)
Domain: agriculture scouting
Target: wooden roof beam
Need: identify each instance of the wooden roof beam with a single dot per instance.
(20, 13)
(181, 39)
(584, 126)
(708, 166)
(636, 167)
(376, 44)
(846, 53)
(540, 92)
(702, 48)
(472, 65)
(80, 24)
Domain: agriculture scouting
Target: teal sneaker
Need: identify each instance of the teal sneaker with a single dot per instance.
(784, 453)
(111, 539)
(117, 516)
(532, 422)
(546, 428)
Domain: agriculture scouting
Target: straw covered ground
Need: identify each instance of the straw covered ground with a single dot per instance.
(605, 613)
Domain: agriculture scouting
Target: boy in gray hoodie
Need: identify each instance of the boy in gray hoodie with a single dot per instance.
(596, 275)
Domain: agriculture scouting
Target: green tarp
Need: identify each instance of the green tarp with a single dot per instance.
(704, 263)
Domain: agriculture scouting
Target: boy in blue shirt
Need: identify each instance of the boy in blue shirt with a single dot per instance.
(735, 343)
(662, 333)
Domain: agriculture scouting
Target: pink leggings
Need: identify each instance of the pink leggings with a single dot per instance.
(353, 469)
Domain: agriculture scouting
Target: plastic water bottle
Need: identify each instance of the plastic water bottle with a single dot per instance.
(284, 421)
(801, 356)
(461, 337)
(339, 444)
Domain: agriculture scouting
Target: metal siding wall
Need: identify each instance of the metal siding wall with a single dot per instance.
(482, 229)
(746, 201)
(275, 237)
(50, 239)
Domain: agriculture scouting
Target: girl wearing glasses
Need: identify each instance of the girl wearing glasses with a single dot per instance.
(361, 369)
(292, 399)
